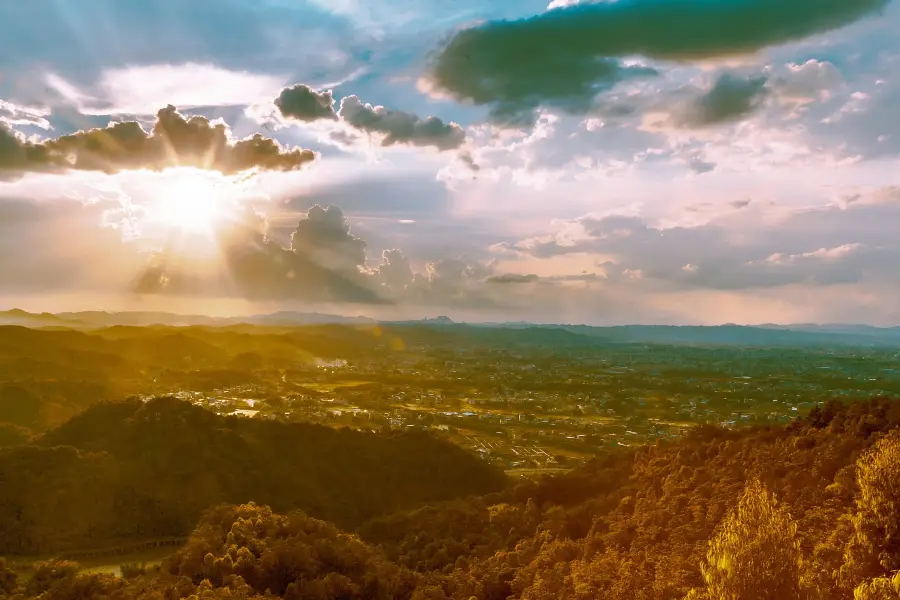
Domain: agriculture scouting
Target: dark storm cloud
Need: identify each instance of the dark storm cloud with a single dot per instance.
(303, 103)
(563, 57)
(174, 140)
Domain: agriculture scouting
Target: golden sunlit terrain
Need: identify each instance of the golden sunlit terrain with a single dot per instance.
(449, 300)
(466, 461)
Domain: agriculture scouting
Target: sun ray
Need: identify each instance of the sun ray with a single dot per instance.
(190, 202)
(189, 212)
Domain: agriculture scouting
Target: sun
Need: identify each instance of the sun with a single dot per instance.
(189, 202)
(192, 209)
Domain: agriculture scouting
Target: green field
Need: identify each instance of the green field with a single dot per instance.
(331, 386)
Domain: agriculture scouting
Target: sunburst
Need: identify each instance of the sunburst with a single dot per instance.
(189, 201)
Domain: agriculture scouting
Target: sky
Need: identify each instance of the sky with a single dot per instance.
(597, 162)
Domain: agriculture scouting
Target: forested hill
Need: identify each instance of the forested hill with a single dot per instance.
(810, 511)
(131, 471)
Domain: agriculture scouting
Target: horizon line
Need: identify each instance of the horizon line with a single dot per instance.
(438, 318)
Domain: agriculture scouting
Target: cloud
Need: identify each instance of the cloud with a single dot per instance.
(398, 127)
(558, 150)
(810, 114)
(777, 93)
(695, 160)
(730, 98)
(393, 127)
(564, 56)
(764, 118)
(394, 271)
(512, 278)
(174, 140)
(741, 269)
(302, 103)
(454, 282)
(142, 89)
(518, 86)
(806, 82)
(324, 237)
(822, 253)
(452, 272)
(236, 38)
(858, 123)
(826, 245)
(324, 263)
(12, 115)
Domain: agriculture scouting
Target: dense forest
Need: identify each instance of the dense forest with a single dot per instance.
(133, 470)
(811, 511)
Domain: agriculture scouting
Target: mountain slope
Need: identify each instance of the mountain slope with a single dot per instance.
(129, 470)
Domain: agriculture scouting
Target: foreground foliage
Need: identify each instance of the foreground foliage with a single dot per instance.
(810, 511)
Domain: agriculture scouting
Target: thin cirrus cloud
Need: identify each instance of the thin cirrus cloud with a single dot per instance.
(174, 140)
(564, 56)
(12, 115)
(394, 127)
(142, 89)
(83, 39)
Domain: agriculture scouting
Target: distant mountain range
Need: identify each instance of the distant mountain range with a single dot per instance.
(768, 334)
(97, 319)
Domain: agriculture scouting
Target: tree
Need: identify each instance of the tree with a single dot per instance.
(8, 579)
(875, 547)
(756, 553)
(880, 588)
(49, 574)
